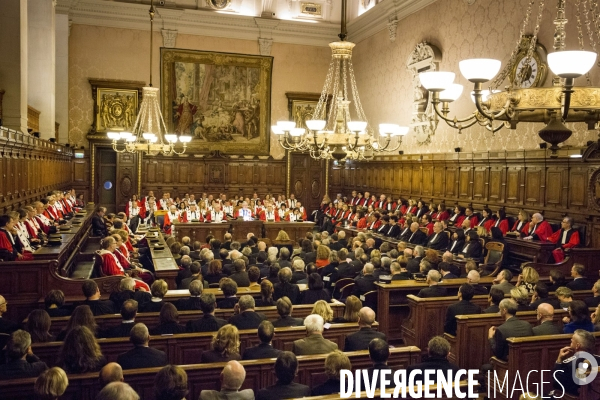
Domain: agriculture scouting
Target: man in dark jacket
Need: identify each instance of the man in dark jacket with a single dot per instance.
(439, 239)
(579, 282)
(286, 369)
(240, 276)
(247, 317)
(6, 326)
(192, 302)
(417, 236)
(284, 309)
(413, 265)
(127, 291)
(141, 356)
(128, 312)
(285, 287)
(564, 375)
(463, 307)
(366, 282)
(434, 290)
(360, 340)
(98, 226)
(545, 316)
(437, 349)
(512, 327)
(208, 322)
(494, 299)
(21, 362)
(92, 298)
(265, 349)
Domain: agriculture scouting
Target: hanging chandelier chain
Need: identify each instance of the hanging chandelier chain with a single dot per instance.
(589, 21)
(334, 92)
(357, 103)
(580, 34)
(322, 104)
(532, 43)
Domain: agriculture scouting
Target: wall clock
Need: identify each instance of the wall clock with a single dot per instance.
(218, 4)
(535, 71)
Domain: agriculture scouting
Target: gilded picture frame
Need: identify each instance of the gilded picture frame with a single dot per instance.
(223, 100)
(116, 109)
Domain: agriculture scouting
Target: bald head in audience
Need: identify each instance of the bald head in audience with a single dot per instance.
(233, 376)
(447, 257)
(545, 312)
(111, 372)
(117, 391)
(473, 277)
(366, 317)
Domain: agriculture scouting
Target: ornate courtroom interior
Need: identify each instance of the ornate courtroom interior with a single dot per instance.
(209, 199)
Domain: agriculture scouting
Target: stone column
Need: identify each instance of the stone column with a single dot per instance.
(41, 75)
(13, 63)
(62, 76)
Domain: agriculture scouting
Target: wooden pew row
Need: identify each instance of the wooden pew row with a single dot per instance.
(187, 348)
(532, 354)
(259, 374)
(470, 347)
(464, 387)
(427, 316)
(152, 319)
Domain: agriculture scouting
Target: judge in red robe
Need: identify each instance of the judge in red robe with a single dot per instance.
(192, 214)
(501, 222)
(110, 263)
(11, 249)
(170, 217)
(539, 229)
(245, 212)
(216, 215)
(564, 238)
(269, 215)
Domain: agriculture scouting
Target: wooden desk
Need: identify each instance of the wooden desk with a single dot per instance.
(295, 230)
(167, 269)
(198, 231)
(240, 229)
(521, 250)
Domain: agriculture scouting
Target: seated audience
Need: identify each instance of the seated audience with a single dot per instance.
(92, 298)
(557, 279)
(127, 291)
(158, 290)
(38, 326)
(214, 273)
(545, 316)
(323, 309)
(128, 313)
(192, 302)
(398, 270)
(502, 281)
(540, 295)
(196, 275)
(51, 384)
(20, 360)
(366, 282)
(564, 296)
(82, 316)
(379, 353)
(284, 309)
(538, 229)
(472, 248)
(415, 261)
(168, 321)
(112, 266)
(286, 369)
(520, 296)
(141, 356)
(315, 290)
(334, 363)
(512, 327)
(463, 307)
(582, 340)
(54, 304)
(232, 378)
(208, 322)
(117, 391)
(284, 287)
(579, 318)
(353, 306)
(229, 289)
(438, 349)
(360, 340)
(595, 300)
(314, 343)
(266, 294)
(473, 279)
(528, 278)
(446, 271)
(111, 372)
(458, 241)
(80, 352)
(247, 317)
(579, 282)
(254, 277)
(434, 290)
(264, 349)
(225, 346)
(240, 276)
(298, 273)
(171, 383)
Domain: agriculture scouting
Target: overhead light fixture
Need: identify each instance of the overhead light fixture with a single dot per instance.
(149, 134)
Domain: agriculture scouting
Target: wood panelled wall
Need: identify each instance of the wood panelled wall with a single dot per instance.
(514, 180)
(30, 168)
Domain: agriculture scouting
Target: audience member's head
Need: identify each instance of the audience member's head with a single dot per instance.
(207, 303)
(314, 324)
(379, 351)
(508, 307)
(80, 351)
(159, 288)
(246, 302)
(226, 341)
(233, 376)
(366, 317)
(51, 384)
(266, 290)
(438, 347)
(353, 306)
(170, 383)
(266, 331)
(129, 309)
(284, 306)
(117, 391)
(38, 326)
(286, 367)
(335, 362)
(228, 286)
(111, 372)
(139, 335)
(466, 291)
(323, 309)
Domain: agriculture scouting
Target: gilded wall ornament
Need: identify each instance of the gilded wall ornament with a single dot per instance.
(117, 110)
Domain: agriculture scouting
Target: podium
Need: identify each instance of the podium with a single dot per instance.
(241, 228)
(198, 231)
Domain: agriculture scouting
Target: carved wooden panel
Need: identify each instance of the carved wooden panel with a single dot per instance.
(554, 187)
(534, 183)
(464, 183)
(406, 178)
(438, 181)
(182, 172)
(451, 176)
(416, 181)
(480, 184)
(495, 187)
(167, 172)
(513, 185)
(577, 187)
(150, 175)
(427, 180)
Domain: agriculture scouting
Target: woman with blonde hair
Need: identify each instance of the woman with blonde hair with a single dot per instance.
(266, 294)
(353, 306)
(323, 309)
(282, 236)
(322, 256)
(528, 278)
(51, 384)
(334, 363)
(225, 346)
(520, 295)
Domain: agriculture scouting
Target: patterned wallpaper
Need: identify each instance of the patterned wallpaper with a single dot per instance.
(111, 53)
(486, 29)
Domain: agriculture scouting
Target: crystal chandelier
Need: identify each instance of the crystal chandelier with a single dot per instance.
(149, 134)
(332, 133)
(496, 108)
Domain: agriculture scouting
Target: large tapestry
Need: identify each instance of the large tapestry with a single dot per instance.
(222, 100)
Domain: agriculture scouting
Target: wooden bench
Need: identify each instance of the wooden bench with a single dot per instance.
(259, 374)
(427, 316)
(152, 319)
(470, 348)
(533, 354)
(187, 348)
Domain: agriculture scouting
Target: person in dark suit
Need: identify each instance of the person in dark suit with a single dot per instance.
(379, 353)
(192, 302)
(285, 288)
(141, 356)
(298, 273)
(512, 327)
(127, 291)
(366, 282)
(579, 282)
(240, 276)
(595, 300)
(395, 229)
(315, 290)
(463, 307)
(54, 304)
(6, 326)
(360, 340)
(541, 295)
(434, 290)
(284, 309)
(495, 297)
(21, 362)
(232, 379)
(417, 236)
(446, 271)
(472, 248)
(208, 322)
(265, 349)
(437, 360)
(92, 299)
(458, 241)
(286, 369)
(439, 239)
(399, 272)
(195, 269)
(229, 288)
(247, 317)
(185, 272)
(545, 315)
(98, 226)
(413, 266)
(581, 341)
(473, 278)
(335, 243)
(169, 322)
(128, 312)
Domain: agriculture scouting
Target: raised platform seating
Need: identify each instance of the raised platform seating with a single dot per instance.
(187, 348)
(528, 356)
(152, 319)
(470, 347)
(259, 374)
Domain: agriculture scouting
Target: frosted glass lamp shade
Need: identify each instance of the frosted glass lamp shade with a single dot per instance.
(185, 138)
(400, 131)
(297, 131)
(387, 129)
(125, 135)
(479, 70)
(113, 135)
(357, 126)
(277, 130)
(316, 124)
(171, 138)
(436, 81)
(452, 93)
(286, 125)
(571, 64)
(148, 135)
